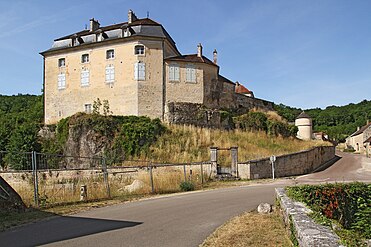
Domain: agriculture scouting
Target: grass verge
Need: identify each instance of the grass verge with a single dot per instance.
(250, 229)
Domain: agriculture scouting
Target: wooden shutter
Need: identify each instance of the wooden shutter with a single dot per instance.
(188, 74)
(176, 73)
(171, 73)
(136, 71)
(142, 71)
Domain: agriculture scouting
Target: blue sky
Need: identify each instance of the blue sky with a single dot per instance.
(301, 53)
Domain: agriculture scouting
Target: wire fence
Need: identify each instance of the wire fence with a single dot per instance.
(44, 179)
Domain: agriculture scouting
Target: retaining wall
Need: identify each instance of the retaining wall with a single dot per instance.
(300, 163)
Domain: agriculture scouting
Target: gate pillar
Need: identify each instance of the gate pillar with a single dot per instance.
(234, 167)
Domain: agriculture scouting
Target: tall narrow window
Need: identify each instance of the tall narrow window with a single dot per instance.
(85, 77)
(110, 54)
(110, 73)
(62, 81)
(174, 72)
(139, 50)
(140, 71)
(61, 62)
(190, 73)
(87, 108)
(85, 58)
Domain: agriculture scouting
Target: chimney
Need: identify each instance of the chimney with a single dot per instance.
(199, 50)
(358, 128)
(94, 25)
(131, 17)
(215, 55)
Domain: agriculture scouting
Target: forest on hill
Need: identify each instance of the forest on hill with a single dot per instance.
(337, 121)
(20, 120)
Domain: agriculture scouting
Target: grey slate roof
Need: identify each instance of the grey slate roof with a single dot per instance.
(303, 115)
(360, 131)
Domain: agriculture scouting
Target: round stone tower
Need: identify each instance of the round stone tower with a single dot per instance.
(304, 124)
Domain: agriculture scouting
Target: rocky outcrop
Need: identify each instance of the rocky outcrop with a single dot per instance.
(9, 198)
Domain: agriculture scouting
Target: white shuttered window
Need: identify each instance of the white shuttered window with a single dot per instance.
(174, 72)
(85, 77)
(140, 71)
(61, 81)
(110, 73)
(190, 73)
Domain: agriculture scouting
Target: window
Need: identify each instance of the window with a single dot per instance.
(85, 58)
(139, 50)
(87, 108)
(110, 73)
(61, 81)
(110, 54)
(61, 62)
(85, 77)
(174, 72)
(140, 71)
(190, 73)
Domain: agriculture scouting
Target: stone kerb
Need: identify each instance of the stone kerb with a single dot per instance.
(306, 231)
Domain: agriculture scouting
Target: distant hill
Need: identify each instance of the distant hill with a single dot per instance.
(337, 121)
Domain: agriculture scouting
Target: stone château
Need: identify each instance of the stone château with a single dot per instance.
(137, 67)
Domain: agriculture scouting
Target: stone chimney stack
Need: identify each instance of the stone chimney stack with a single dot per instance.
(199, 50)
(94, 25)
(358, 128)
(131, 17)
(215, 55)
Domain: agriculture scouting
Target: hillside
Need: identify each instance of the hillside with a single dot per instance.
(337, 121)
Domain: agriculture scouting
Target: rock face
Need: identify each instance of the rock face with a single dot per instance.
(9, 198)
(264, 208)
(136, 185)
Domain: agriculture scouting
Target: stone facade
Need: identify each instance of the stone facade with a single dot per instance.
(359, 140)
(137, 67)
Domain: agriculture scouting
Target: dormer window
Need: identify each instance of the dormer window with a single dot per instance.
(110, 54)
(61, 62)
(85, 58)
(139, 50)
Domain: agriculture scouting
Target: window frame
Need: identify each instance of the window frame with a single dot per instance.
(108, 52)
(88, 108)
(111, 74)
(143, 53)
(60, 65)
(85, 55)
(189, 73)
(173, 75)
(61, 84)
(87, 78)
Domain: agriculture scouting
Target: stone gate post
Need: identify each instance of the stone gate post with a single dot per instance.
(234, 155)
(214, 161)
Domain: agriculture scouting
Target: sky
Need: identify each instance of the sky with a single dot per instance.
(303, 54)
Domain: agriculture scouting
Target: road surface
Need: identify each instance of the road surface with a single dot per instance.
(176, 220)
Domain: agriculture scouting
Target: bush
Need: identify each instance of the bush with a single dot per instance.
(348, 204)
(187, 186)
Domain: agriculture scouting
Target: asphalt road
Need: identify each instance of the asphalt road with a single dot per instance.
(176, 220)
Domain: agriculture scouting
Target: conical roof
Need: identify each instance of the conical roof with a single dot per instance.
(303, 115)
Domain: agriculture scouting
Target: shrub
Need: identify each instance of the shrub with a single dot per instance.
(187, 186)
(349, 204)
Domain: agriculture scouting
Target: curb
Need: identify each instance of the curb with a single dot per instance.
(307, 232)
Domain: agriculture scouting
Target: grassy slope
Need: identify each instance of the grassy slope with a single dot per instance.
(191, 144)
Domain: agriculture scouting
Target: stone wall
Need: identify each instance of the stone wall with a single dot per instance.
(194, 114)
(287, 165)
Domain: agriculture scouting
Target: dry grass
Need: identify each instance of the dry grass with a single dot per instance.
(191, 144)
(250, 229)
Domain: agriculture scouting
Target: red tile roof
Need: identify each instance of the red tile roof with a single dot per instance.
(241, 89)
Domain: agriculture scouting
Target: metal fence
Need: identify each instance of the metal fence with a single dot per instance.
(43, 179)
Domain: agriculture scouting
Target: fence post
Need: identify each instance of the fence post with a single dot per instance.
(35, 178)
(202, 174)
(185, 173)
(151, 178)
(105, 177)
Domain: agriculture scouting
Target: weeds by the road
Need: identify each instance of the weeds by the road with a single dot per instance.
(250, 229)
